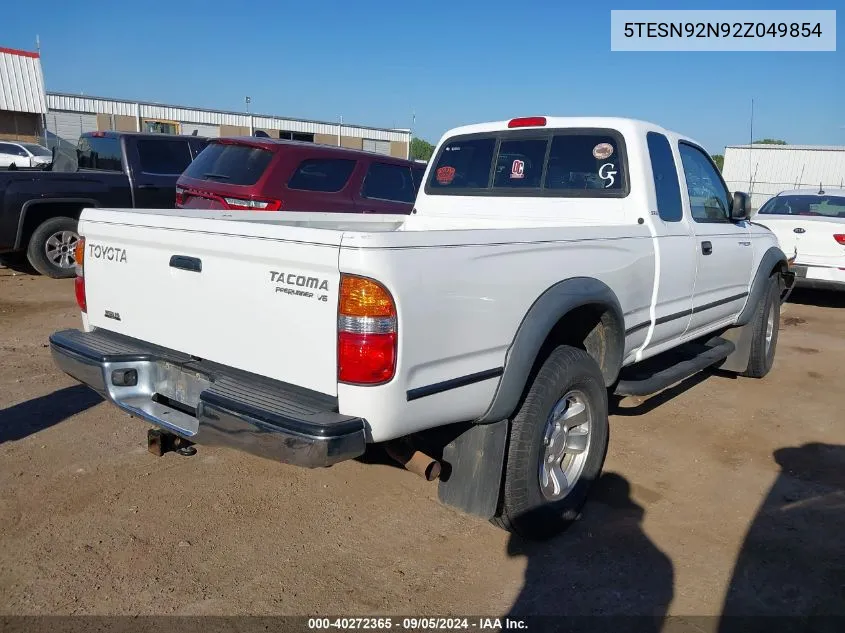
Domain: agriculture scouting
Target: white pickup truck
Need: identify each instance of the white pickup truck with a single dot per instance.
(545, 260)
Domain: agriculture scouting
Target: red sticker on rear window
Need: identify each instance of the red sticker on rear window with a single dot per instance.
(445, 175)
(518, 169)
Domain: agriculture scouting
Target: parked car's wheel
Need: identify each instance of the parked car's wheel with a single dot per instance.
(50, 249)
(557, 445)
(764, 335)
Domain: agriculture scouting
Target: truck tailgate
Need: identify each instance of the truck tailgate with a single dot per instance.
(256, 297)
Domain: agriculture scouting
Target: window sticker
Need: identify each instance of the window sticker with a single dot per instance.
(518, 169)
(445, 175)
(607, 172)
(603, 151)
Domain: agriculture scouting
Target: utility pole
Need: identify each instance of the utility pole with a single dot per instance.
(247, 101)
(411, 134)
(43, 114)
(750, 146)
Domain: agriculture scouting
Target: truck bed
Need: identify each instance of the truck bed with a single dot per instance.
(259, 292)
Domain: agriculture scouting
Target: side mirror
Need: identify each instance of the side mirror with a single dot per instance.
(740, 206)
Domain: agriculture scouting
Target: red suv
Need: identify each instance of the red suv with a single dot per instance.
(254, 173)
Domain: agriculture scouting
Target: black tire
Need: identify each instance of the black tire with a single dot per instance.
(524, 509)
(762, 350)
(36, 251)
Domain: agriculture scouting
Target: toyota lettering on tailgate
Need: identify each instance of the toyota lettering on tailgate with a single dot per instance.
(109, 253)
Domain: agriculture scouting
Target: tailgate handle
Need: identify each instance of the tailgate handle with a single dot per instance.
(183, 262)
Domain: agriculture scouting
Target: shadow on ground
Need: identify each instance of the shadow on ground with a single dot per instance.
(605, 574)
(814, 297)
(604, 565)
(26, 418)
(16, 262)
(791, 567)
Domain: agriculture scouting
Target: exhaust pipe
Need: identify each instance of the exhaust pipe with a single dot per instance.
(413, 460)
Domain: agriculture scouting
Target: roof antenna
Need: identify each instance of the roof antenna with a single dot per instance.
(821, 190)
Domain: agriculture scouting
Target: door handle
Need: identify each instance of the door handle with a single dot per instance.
(183, 262)
(706, 247)
(146, 186)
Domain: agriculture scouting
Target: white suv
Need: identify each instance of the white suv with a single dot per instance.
(24, 155)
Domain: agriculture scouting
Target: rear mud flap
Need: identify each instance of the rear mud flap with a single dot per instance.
(474, 462)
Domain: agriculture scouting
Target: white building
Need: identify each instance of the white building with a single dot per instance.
(22, 100)
(71, 115)
(766, 170)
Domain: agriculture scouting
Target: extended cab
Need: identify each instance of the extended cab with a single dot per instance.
(39, 209)
(548, 263)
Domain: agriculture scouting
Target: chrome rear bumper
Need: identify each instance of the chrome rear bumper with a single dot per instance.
(208, 403)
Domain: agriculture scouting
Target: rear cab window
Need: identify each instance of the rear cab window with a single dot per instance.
(797, 204)
(574, 162)
(230, 163)
(101, 153)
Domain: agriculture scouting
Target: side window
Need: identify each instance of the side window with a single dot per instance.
(586, 162)
(707, 195)
(520, 163)
(163, 156)
(5, 148)
(328, 175)
(666, 185)
(19, 151)
(464, 164)
(99, 152)
(389, 182)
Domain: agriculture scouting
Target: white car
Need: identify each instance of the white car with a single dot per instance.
(810, 226)
(545, 260)
(23, 154)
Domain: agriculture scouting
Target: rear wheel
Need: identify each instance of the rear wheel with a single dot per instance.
(557, 445)
(51, 247)
(765, 326)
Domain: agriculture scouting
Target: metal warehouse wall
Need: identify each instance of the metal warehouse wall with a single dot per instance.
(21, 82)
(771, 169)
(139, 109)
(64, 128)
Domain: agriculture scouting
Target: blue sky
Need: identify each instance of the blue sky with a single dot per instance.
(453, 63)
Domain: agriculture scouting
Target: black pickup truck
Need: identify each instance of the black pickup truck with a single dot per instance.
(39, 209)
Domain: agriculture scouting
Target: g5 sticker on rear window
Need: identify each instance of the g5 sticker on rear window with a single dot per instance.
(445, 175)
(603, 151)
(607, 173)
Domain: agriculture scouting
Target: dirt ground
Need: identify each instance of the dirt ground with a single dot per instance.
(723, 495)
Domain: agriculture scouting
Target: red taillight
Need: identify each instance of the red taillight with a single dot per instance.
(366, 359)
(79, 267)
(180, 196)
(253, 205)
(840, 237)
(79, 288)
(528, 121)
(366, 332)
